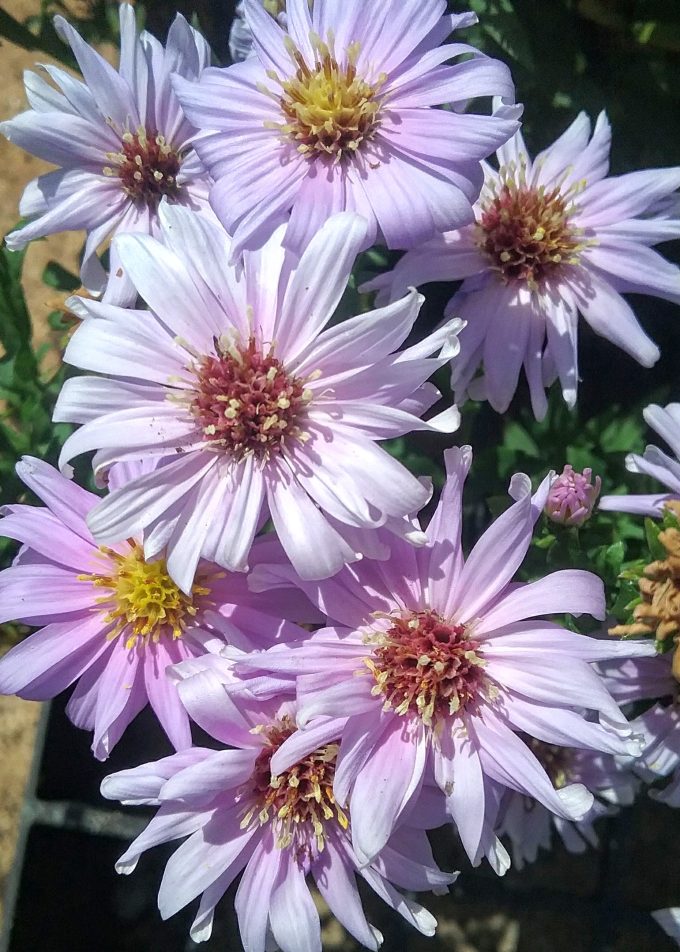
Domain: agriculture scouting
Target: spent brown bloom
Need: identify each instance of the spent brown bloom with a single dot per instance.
(658, 613)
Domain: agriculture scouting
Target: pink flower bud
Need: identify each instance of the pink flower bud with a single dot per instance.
(572, 497)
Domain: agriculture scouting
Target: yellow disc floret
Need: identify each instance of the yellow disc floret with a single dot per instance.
(142, 600)
(329, 110)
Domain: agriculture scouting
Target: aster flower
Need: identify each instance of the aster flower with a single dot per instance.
(262, 410)
(337, 113)
(240, 34)
(278, 828)
(652, 679)
(120, 139)
(434, 657)
(655, 463)
(658, 728)
(553, 237)
(572, 497)
(110, 620)
(530, 826)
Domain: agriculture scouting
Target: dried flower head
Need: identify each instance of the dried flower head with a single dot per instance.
(658, 612)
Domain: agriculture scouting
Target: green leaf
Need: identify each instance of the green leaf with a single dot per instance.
(396, 447)
(614, 556)
(56, 276)
(622, 435)
(507, 31)
(544, 542)
(516, 438)
(652, 530)
(15, 323)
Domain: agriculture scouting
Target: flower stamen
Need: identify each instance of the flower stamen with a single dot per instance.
(426, 665)
(526, 230)
(142, 599)
(328, 109)
(246, 402)
(300, 801)
(146, 166)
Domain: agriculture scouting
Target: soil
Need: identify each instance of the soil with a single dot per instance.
(18, 719)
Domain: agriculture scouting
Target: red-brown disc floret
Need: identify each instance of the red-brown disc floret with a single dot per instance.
(146, 166)
(246, 402)
(426, 665)
(300, 801)
(526, 231)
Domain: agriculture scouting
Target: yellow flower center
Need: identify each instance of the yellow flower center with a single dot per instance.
(328, 109)
(142, 600)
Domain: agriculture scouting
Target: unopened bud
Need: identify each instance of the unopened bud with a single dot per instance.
(572, 497)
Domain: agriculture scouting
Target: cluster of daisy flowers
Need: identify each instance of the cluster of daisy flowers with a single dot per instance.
(257, 563)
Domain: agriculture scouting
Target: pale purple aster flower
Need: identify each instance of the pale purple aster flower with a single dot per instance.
(434, 657)
(669, 920)
(529, 826)
(262, 409)
(120, 139)
(110, 621)
(659, 726)
(553, 238)
(278, 828)
(338, 113)
(572, 497)
(240, 35)
(635, 679)
(655, 463)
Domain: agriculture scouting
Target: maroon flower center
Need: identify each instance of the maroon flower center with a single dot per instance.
(246, 402)
(300, 801)
(526, 230)
(426, 665)
(146, 166)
